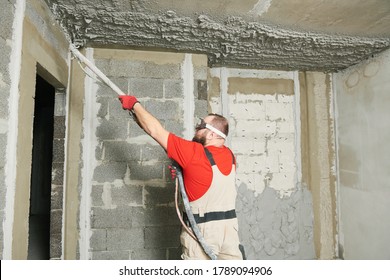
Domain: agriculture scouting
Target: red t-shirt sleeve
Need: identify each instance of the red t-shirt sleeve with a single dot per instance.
(180, 150)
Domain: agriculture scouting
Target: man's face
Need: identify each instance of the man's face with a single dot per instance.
(200, 132)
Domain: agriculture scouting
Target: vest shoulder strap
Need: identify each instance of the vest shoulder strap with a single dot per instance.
(211, 159)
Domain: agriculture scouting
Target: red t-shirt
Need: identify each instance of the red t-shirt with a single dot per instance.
(197, 172)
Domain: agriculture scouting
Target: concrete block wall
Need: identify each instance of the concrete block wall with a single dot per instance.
(274, 211)
(131, 199)
(57, 187)
(7, 15)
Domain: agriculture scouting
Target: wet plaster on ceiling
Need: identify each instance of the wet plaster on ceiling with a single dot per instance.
(313, 35)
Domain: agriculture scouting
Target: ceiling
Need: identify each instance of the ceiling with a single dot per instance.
(307, 35)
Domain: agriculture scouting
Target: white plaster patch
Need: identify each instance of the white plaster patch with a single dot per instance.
(261, 7)
(352, 80)
(371, 69)
(187, 69)
(106, 197)
(10, 167)
(89, 144)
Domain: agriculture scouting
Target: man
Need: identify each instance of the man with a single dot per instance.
(209, 178)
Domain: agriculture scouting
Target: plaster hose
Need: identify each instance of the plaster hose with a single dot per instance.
(191, 217)
(96, 70)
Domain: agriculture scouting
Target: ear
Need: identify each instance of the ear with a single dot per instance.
(210, 135)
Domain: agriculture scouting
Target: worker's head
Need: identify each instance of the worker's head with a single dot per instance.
(212, 130)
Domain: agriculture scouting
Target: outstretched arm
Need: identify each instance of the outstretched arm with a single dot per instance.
(146, 120)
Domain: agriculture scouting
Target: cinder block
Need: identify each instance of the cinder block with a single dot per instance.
(113, 129)
(200, 87)
(59, 127)
(250, 128)
(110, 255)
(56, 197)
(149, 254)
(146, 87)
(250, 110)
(173, 88)
(156, 195)
(121, 151)
(118, 218)
(140, 171)
(162, 237)
(127, 195)
(138, 216)
(163, 110)
(103, 108)
(58, 150)
(152, 152)
(251, 164)
(134, 129)
(125, 239)
(56, 221)
(161, 216)
(201, 108)
(105, 91)
(96, 195)
(109, 171)
(162, 71)
(279, 111)
(55, 246)
(6, 20)
(174, 126)
(125, 68)
(98, 241)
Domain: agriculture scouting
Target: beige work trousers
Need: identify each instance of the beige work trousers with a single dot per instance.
(221, 236)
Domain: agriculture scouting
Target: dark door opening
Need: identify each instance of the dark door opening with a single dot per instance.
(40, 184)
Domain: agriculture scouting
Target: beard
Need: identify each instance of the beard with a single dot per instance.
(201, 139)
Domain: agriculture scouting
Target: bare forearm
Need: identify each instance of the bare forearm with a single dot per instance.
(151, 125)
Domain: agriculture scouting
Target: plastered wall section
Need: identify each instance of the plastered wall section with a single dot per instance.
(363, 134)
(274, 210)
(126, 183)
(6, 42)
(44, 51)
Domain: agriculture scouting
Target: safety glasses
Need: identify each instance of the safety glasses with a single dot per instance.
(200, 125)
(203, 125)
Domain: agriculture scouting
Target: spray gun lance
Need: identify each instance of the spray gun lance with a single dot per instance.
(81, 58)
(94, 69)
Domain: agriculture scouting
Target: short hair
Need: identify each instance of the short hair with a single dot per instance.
(220, 123)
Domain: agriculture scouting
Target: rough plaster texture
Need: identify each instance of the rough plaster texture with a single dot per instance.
(233, 39)
(363, 135)
(275, 212)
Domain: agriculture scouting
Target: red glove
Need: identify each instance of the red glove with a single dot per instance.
(173, 172)
(128, 101)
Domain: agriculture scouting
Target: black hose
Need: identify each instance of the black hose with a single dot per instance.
(190, 215)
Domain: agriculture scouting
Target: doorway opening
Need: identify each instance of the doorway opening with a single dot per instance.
(41, 171)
